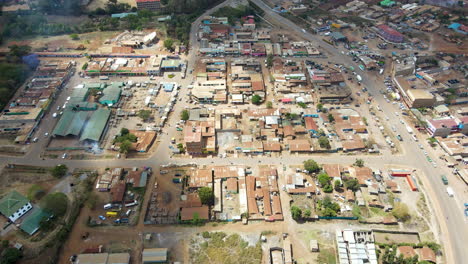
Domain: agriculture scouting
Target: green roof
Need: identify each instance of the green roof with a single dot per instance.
(96, 85)
(11, 202)
(96, 125)
(32, 221)
(111, 95)
(70, 123)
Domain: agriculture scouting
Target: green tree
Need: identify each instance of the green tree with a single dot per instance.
(169, 44)
(311, 166)
(5, 243)
(206, 195)
(144, 114)
(352, 184)
(302, 105)
(125, 146)
(184, 115)
(320, 107)
(74, 36)
(359, 163)
(307, 213)
(46, 224)
(296, 213)
(59, 171)
(401, 212)
(124, 131)
(256, 99)
(328, 188)
(269, 104)
(55, 203)
(328, 212)
(324, 142)
(331, 118)
(323, 179)
(35, 192)
(337, 185)
(269, 60)
(10, 256)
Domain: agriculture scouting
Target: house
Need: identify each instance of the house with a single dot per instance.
(14, 205)
(389, 34)
(427, 254)
(299, 145)
(154, 255)
(103, 258)
(153, 5)
(441, 127)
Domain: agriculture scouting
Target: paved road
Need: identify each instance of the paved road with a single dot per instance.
(453, 225)
(454, 228)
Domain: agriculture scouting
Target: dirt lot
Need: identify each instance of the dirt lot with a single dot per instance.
(22, 177)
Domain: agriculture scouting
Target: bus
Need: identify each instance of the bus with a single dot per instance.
(111, 214)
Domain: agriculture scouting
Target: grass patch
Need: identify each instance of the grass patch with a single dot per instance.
(327, 255)
(377, 211)
(170, 76)
(268, 233)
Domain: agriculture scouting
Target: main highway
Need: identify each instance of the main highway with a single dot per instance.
(452, 225)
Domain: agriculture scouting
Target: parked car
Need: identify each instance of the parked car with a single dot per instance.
(102, 217)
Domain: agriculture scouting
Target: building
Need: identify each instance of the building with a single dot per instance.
(441, 127)
(199, 137)
(154, 255)
(153, 5)
(389, 34)
(417, 98)
(337, 36)
(355, 247)
(14, 205)
(103, 258)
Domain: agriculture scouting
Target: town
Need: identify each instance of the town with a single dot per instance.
(253, 131)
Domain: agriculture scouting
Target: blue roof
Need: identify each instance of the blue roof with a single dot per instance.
(122, 15)
(143, 178)
(454, 26)
(168, 87)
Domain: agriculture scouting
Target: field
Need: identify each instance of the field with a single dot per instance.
(22, 177)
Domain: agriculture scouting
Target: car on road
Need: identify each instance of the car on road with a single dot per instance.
(420, 146)
(46, 134)
(54, 115)
(58, 108)
(64, 156)
(434, 164)
(35, 139)
(444, 179)
(102, 217)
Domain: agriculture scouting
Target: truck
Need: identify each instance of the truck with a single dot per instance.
(450, 191)
(359, 78)
(444, 179)
(103, 78)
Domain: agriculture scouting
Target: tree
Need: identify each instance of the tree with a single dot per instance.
(10, 256)
(144, 114)
(169, 43)
(337, 184)
(55, 203)
(184, 115)
(269, 61)
(46, 224)
(85, 66)
(324, 142)
(92, 200)
(359, 163)
(296, 213)
(59, 171)
(206, 195)
(256, 99)
(331, 118)
(124, 131)
(401, 212)
(269, 105)
(323, 179)
(307, 213)
(74, 36)
(320, 107)
(302, 105)
(328, 212)
(328, 207)
(125, 146)
(352, 184)
(311, 166)
(35, 192)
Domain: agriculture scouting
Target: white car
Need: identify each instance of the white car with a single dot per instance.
(54, 115)
(396, 113)
(64, 156)
(46, 134)
(68, 98)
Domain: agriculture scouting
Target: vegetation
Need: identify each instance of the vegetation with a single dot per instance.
(169, 44)
(269, 105)
(359, 163)
(125, 146)
(401, 212)
(125, 139)
(184, 115)
(221, 248)
(327, 207)
(55, 203)
(325, 182)
(74, 36)
(324, 142)
(352, 184)
(320, 107)
(296, 213)
(331, 118)
(234, 13)
(92, 201)
(256, 99)
(302, 105)
(85, 66)
(311, 166)
(337, 185)
(206, 195)
(13, 75)
(269, 60)
(144, 114)
(35, 192)
(10, 255)
(181, 148)
(59, 171)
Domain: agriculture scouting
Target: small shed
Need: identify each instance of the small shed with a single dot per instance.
(314, 247)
